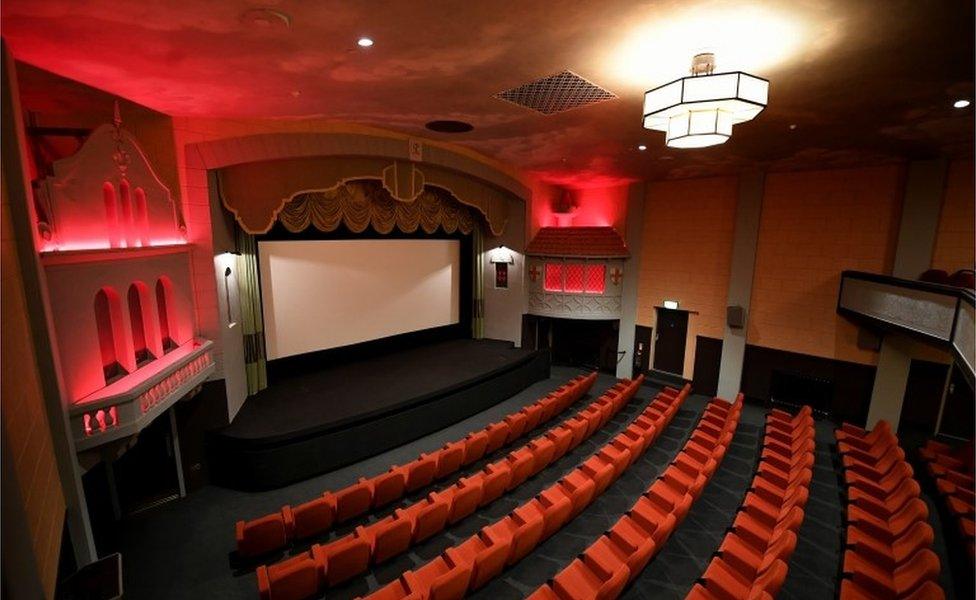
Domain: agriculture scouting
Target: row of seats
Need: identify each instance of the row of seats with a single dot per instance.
(277, 530)
(888, 537)
(952, 471)
(326, 565)
(752, 560)
(471, 564)
(619, 555)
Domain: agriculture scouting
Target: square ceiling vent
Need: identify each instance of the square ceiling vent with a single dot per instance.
(556, 93)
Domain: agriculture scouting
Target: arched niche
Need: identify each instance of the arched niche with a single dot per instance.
(111, 334)
(145, 341)
(165, 310)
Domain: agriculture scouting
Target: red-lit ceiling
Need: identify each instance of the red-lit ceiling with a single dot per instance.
(872, 81)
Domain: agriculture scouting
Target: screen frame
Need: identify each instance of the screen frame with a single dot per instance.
(298, 364)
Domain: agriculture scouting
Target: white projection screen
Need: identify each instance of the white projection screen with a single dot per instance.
(324, 294)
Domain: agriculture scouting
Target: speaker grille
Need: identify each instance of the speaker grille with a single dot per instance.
(556, 93)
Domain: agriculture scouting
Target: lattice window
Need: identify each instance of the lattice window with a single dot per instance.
(554, 277)
(595, 278)
(575, 277)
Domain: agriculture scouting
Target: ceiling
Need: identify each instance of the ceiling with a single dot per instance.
(852, 82)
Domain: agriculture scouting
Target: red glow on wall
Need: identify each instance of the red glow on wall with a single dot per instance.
(582, 206)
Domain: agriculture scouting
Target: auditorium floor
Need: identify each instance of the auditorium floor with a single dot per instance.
(182, 550)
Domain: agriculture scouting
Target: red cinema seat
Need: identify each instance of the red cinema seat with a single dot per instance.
(521, 462)
(922, 567)
(562, 439)
(497, 476)
(431, 517)
(420, 472)
(467, 497)
(746, 559)
(389, 486)
(313, 517)
(556, 509)
(261, 535)
(449, 459)
(475, 445)
(345, 558)
(887, 529)
(600, 470)
(525, 524)
(354, 500)
(895, 552)
(585, 580)
(490, 556)
(533, 416)
(549, 406)
(619, 459)
(390, 536)
(497, 434)
(542, 451)
(289, 580)
(578, 427)
(888, 505)
(579, 488)
(638, 541)
(516, 426)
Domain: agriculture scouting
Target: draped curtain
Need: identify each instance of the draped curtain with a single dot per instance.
(252, 323)
(366, 203)
(478, 287)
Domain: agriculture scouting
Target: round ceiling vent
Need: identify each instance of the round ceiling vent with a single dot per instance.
(449, 126)
(266, 18)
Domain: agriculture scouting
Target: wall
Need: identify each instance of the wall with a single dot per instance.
(813, 226)
(686, 247)
(504, 307)
(954, 242)
(27, 437)
(600, 205)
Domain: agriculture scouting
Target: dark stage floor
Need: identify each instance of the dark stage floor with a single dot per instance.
(339, 396)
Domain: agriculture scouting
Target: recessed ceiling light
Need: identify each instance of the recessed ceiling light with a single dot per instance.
(448, 126)
(961, 103)
(266, 18)
(642, 147)
(365, 42)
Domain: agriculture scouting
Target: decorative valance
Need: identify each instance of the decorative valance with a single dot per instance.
(367, 203)
(257, 192)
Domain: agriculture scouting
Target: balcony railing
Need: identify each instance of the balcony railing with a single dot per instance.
(940, 314)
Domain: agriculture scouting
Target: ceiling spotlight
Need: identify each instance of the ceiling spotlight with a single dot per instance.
(365, 42)
(961, 103)
(642, 147)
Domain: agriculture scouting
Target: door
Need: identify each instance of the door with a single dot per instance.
(957, 414)
(642, 350)
(671, 336)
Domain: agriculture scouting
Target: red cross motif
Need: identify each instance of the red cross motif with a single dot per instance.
(616, 275)
(534, 273)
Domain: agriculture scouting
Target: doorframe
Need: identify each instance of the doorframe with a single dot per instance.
(688, 368)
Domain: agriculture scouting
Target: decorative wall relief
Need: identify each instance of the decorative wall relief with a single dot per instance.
(105, 196)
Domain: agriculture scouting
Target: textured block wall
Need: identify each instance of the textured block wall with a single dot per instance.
(814, 225)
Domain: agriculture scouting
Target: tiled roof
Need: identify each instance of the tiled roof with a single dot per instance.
(585, 242)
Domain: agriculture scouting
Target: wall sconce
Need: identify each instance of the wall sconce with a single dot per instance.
(671, 304)
(501, 257)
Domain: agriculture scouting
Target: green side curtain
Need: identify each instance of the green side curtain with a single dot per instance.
(255, 363)
(478, 289)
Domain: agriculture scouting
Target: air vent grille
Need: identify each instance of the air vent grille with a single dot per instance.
(556, 93)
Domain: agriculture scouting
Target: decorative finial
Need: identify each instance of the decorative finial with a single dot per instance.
(120, 156)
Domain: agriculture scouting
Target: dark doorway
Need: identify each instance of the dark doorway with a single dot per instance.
(672, 335)
(923, 394)
(642, 350)
(584, 343)
(958, 415)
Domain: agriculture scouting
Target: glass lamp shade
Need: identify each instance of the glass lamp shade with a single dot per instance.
(700, 111)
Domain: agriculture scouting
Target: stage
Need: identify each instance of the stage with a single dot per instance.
(321, 420)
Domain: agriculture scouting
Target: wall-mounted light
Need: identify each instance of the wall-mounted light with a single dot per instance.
(501, 257)
(671, 304)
